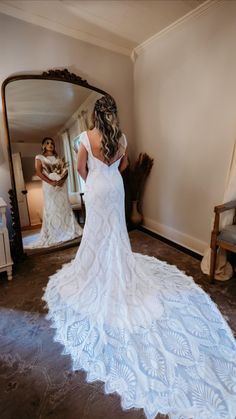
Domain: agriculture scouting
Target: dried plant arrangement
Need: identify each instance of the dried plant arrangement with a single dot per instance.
(137, 179)
(139, 174)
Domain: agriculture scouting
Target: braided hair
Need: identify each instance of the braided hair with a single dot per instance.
(106, 120)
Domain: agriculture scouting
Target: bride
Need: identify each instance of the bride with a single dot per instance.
(59, 224)
(141, 326)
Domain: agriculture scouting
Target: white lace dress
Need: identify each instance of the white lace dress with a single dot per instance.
(59, 223)
(138, 324)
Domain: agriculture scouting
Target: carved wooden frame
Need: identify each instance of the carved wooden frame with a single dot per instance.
(57, 75)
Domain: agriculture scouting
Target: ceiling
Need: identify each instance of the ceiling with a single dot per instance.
(119, 25)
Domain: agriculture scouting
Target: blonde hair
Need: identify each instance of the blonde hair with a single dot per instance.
(105, 119)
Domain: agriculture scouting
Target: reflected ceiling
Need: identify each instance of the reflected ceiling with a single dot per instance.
(36, 108)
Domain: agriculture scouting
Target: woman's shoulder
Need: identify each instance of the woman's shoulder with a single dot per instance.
(46, 158)
(83, 134)
(39, 157)
(83, 138)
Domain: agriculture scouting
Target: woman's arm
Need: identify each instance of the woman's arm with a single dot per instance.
(124, 162)
(39, 173)
(82, 162)
(62, 180)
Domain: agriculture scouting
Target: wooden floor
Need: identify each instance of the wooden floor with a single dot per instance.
(36, 380)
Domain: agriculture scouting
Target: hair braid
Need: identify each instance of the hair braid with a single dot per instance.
(106, 120)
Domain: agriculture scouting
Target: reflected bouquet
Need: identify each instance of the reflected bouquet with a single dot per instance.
(58, 170)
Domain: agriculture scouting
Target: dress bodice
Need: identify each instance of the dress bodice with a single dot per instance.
(47, 159)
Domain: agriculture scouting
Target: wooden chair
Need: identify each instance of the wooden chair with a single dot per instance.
(226, 238)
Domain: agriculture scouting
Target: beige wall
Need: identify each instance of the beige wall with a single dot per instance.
(30, 48)
(185, 117)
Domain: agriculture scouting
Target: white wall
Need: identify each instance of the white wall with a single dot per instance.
(185, 117)
(29, 48)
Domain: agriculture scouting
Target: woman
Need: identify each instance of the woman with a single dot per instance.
(59, 224)
(138, 324)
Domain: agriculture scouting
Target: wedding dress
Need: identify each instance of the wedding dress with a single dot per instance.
(136, 323)
(59, 223)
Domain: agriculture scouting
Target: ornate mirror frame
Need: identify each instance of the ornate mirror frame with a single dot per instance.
(57, 75)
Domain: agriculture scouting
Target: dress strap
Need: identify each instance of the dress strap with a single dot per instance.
(83, 139)
(40, 157)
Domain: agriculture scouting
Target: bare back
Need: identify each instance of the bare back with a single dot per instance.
(95, 144)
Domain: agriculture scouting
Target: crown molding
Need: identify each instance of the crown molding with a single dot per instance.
(62, 29)
(193, 14)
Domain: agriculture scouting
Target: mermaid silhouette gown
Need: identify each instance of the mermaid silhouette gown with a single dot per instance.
(136, 323)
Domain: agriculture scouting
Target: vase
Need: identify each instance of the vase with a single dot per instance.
(136, 217)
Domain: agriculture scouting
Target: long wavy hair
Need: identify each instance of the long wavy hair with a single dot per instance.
(105, 119)
(44, 145)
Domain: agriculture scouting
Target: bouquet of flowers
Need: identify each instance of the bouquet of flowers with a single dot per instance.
(57, 170)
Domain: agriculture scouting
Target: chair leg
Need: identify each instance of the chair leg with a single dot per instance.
(9, 273)
(213, 264)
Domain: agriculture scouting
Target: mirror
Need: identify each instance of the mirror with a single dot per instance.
(57, 106)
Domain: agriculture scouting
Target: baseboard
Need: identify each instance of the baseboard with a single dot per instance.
(31, 227)
(175, 238)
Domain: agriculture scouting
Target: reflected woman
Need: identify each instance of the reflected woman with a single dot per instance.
(59, 223)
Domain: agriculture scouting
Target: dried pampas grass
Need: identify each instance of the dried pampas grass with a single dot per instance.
(138, 176)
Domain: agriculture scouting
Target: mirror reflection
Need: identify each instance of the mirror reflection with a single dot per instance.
(45, 120)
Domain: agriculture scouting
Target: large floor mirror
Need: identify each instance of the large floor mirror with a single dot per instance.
(43, 111)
